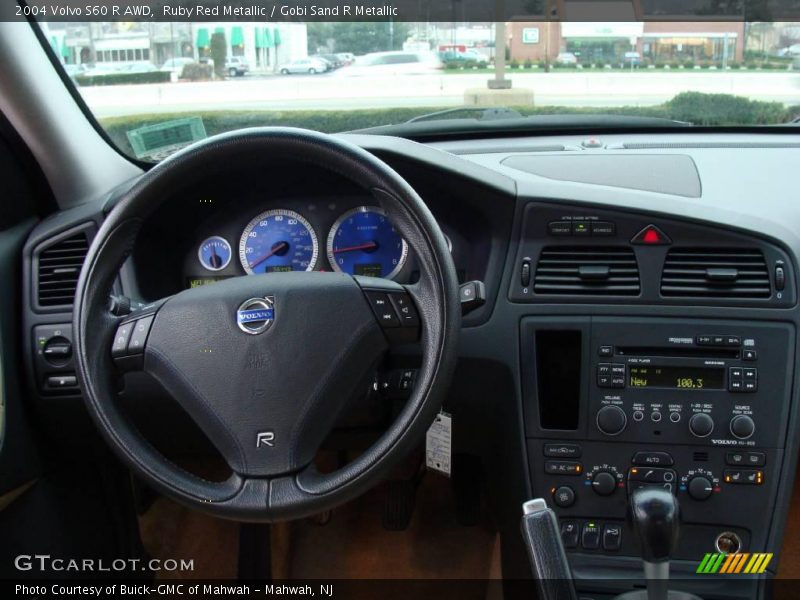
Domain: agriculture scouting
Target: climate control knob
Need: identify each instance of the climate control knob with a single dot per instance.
(604, 483)
(701, 424)
(700, 488)
(742, 426)
(611, 420)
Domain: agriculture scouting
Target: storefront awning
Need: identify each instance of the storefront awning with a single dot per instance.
(237, 36)
(269, 41)
(202, 38)
(64, 48)
(277, 37)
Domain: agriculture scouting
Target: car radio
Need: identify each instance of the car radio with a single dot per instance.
(651, 381)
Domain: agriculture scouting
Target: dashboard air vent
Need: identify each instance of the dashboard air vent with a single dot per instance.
(715, 273)
(58, 268)
(587, 271)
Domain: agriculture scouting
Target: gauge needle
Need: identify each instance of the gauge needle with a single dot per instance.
(367, 246)
(215, 260)
(275, 249)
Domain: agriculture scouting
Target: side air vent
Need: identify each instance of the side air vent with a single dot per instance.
(733, 273)
(58, 267)
(587, 271)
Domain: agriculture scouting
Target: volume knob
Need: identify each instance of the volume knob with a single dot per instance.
(701, 424)
(611, 420)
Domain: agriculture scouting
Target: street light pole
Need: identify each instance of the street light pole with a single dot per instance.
(500, 82)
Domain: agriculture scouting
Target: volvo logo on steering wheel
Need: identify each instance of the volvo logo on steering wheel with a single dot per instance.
(256, 315)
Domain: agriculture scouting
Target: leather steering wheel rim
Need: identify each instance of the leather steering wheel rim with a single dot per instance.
(304, 491)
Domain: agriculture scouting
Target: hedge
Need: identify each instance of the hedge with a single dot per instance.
(122, 78)
(694, 107)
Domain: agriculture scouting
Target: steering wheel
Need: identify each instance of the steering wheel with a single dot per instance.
(265, 363)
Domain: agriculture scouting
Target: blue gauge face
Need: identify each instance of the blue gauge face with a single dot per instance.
(278, 240)
(214, 253)
(364, 242)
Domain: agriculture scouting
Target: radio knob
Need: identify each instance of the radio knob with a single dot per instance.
(742, 426)
(604, 483)
(611, 420)
(700, 488)
(701, 424)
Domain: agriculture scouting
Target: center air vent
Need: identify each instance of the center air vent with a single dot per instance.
(58, 268)
(587, 271)
(715, 273)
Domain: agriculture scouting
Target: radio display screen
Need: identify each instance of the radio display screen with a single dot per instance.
(682, 378)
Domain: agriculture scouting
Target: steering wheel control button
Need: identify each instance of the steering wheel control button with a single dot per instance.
(701, 425)
(121, 338)
(406, 310)
(652, 459)
(383, 310)
(139, 336)
(611, 420)
(612, 537)
(563, 467)
(564, 496)
(562, 450)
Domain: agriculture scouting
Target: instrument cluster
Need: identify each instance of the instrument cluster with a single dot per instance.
(351, 236)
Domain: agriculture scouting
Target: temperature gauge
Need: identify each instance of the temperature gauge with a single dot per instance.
(214, 253)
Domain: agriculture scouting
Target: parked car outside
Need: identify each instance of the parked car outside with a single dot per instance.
(632, 59)
(566, 58)
(333, 60)
(175, 65)
(236, 66)
(309, 65)
(346, 57)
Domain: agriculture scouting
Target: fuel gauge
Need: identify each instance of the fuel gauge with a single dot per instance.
(214, 253)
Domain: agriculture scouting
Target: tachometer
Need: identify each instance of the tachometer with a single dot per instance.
(214, 253)
(363, 242)
(278, 240)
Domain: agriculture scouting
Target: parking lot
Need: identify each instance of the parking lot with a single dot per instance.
(339, 91)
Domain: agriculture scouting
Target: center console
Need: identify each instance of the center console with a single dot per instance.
(696, 407)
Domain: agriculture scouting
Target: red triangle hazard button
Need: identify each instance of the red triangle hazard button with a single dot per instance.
(651, 236)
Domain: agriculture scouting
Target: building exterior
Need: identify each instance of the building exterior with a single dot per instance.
(263, 46)
(654, 41)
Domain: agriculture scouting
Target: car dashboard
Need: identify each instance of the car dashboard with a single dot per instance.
(639, 327)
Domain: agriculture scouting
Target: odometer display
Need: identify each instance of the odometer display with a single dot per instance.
(363, 242)
(278, 240)
(680, 378)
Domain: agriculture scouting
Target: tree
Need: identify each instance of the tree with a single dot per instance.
(219, 52)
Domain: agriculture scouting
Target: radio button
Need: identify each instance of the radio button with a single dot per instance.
(617, 382)
(742, 427)
(750, 386)
(733, 340)
(652, 459)
(750, 374)
(611, 420)
(675, 417)
(701, 425)
(655, 416)
(735, 385)
(735, 373)
(638, 415)
(604, 369)
(606, 351)
(718, 340)
(749, 355)
(704, 340)
(604, 381)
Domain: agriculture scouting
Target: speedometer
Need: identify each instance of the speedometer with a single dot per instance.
(363, 242)
(278, 240)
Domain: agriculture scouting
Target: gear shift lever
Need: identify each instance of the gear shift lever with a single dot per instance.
(656, 513)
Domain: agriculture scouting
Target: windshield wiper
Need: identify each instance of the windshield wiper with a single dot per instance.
(506, 120)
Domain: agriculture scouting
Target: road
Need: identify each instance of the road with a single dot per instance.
(338, 91)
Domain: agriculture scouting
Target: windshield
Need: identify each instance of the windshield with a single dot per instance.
(158, 86)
